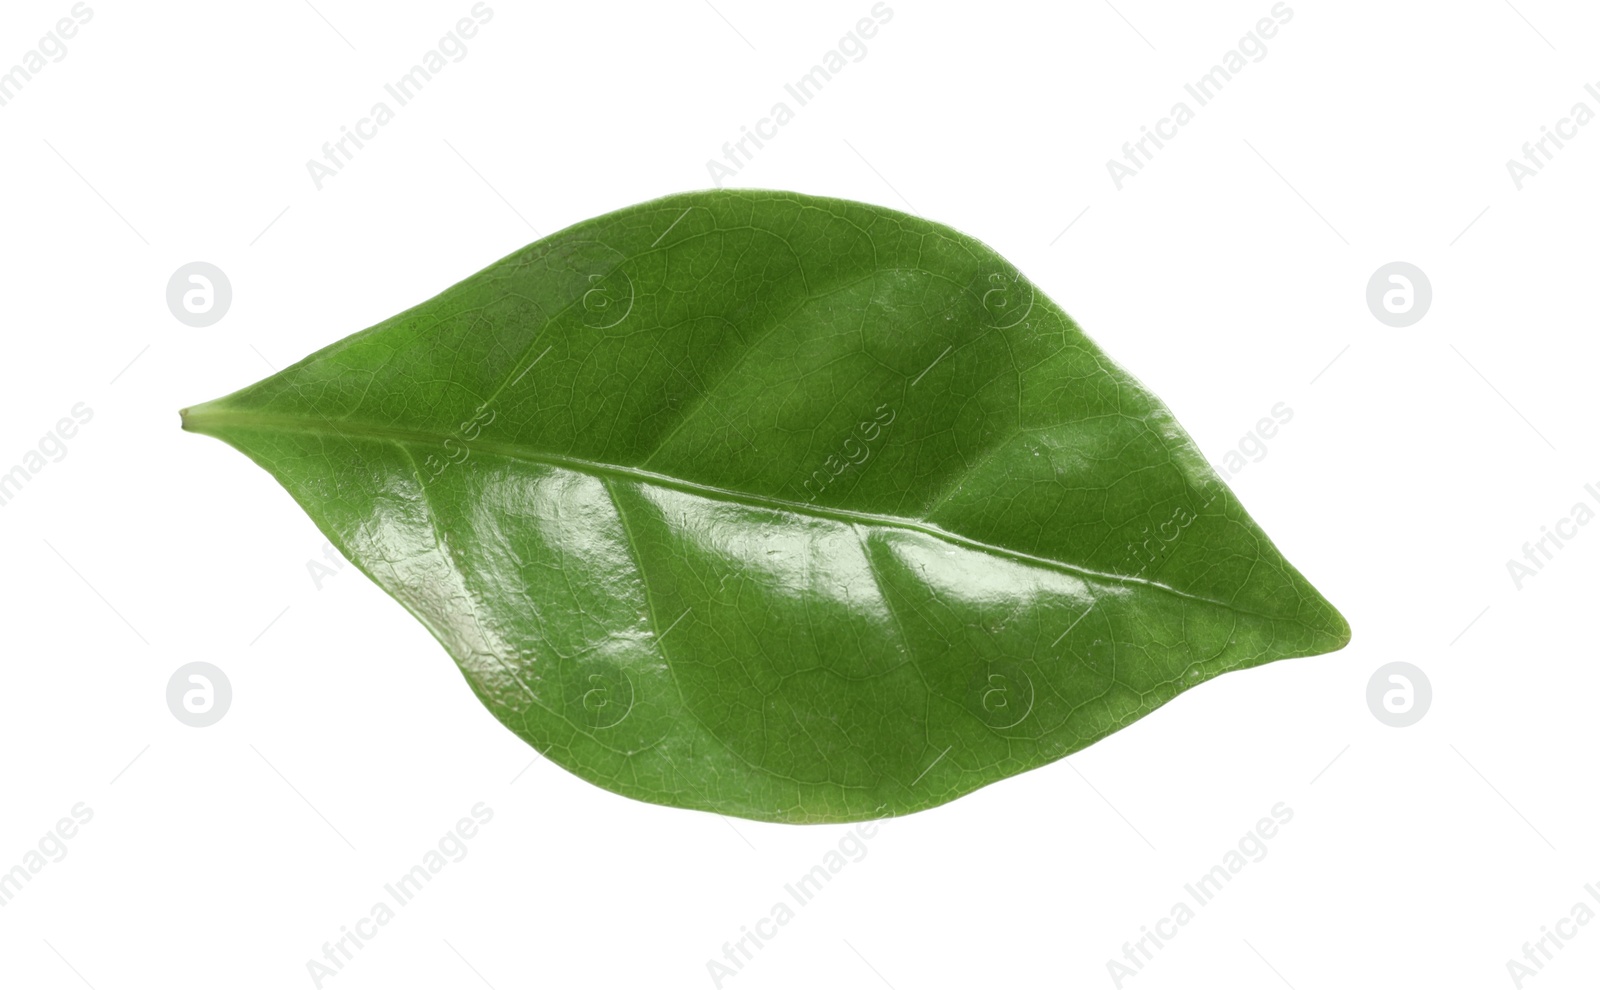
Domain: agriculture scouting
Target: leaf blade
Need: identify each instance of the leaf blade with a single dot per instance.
(763, 514)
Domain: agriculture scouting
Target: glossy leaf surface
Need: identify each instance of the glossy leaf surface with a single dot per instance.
(783, 507)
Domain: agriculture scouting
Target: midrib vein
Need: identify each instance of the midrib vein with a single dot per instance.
(201, 420)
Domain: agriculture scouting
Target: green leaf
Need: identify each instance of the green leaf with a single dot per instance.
(784, 507)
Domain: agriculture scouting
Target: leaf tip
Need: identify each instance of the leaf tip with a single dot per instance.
(1335, 629)
(199, 418)
(1341, 630)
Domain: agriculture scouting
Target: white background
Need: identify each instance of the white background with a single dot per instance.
(1228, 275)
